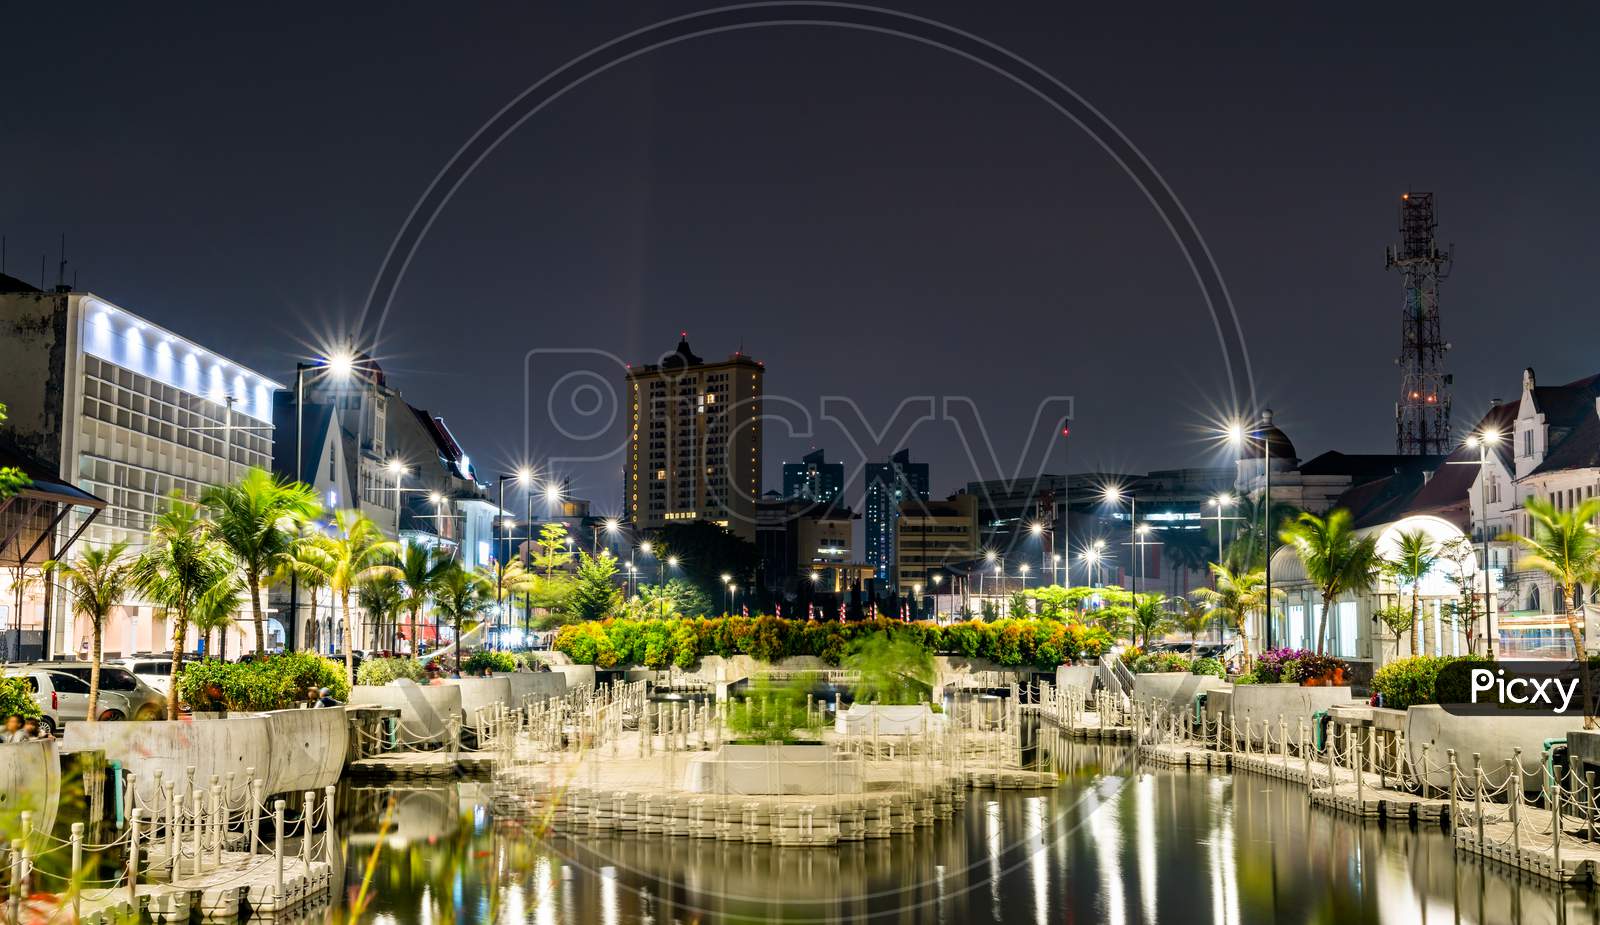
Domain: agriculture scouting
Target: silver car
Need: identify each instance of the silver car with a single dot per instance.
(61, 689)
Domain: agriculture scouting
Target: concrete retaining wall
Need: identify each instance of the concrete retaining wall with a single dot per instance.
(579, 677)
(480, 694)
(1492, 737)
(30, 780)
(425, 710)
(1257, 703)
(1081, 676)
(536, 686)
(764, 769)
(290, 750)
(1174, 687)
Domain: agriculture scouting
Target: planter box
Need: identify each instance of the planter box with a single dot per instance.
(290, 750)
(30, 780)
(536, 686)
(1176, 688)
(860, 719)
(425, 709)
(1081, 676)
(480, 694)
(1255, 703)
(1493, 738)
(751, 770)
(579, 677)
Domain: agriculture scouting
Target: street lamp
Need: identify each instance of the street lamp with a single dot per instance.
(1037, 529)
(1114, 494)
(727, 584)
(1023, 571)
(1483, 441)
(1239, 434)
(668, 562)
(989, 559)
(524, 477)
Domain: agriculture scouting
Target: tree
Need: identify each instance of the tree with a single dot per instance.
(356, 553)
(706, 552)
(259, 518)
(1336, 558)
(96, 581)
(421, 567)
(383, 600)
(554, 549)
(595, 595)
(1055, 601)
(1195, 618)
(676, 598)
(1187, 551)
(309, 563)
(1413, 558)
(462, 594)
(1564, 545)
(215, 613)
(183, 568)
(1149, 617)
(1465, 612)
(1234, 598)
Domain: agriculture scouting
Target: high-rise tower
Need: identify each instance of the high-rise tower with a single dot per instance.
(1422, 415)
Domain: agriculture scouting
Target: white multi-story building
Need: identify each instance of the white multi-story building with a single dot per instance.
(129, 412)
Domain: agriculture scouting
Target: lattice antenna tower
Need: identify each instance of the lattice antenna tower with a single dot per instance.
(1422, 415)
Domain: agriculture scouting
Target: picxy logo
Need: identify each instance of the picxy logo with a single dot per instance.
(1522, 691)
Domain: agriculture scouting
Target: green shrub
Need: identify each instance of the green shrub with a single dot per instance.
(1149, 662)
(276, 682)
(380, 671)
(488, 660)
(16, 697)
(1209, 666)
(1411, 681)
(772, 712)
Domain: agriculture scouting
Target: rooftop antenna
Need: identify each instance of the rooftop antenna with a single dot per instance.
(61, 267)
(1422, 415)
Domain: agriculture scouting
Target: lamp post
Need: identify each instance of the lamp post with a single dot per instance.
(727, 584)
(989, 560)
(1114, 494)
(666, 563)
(340, 364)
(937, 578)
(1037, 529)
(1023, 571)
(1483, 441)
(1142, 531)
(523, 476)
(1240, 435)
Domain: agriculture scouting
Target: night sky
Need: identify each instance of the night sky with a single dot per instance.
(871, 218)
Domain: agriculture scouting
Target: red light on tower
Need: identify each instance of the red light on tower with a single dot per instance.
(1066, 430)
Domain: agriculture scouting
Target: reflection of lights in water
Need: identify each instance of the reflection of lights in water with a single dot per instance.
(1036, 860)
(515, 909)
(543, 885)
(384, 918)
(1144, 820)
(938, 889)
(1220, 856)
(1105, 828)
(991, 820)
(608, 895)
(425, 905)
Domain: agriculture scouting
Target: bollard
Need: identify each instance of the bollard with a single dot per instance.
(77, 867)
(1514, 798)
(198, 829)
(1477, 797)
(133, 855)
(172, 829)
(1555, 822)
(308, 818)
(256, 786)
(277, 847)
(327, 822)
(1450, 755)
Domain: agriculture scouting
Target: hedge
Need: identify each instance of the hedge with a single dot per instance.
(489, 660)
(276, 682)
(377, 672)
(681, 642)
(1412, 681)
(16, 699)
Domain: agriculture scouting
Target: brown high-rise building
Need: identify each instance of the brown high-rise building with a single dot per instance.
(694, 441)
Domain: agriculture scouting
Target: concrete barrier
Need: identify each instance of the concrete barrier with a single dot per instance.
(579, 677)
(1081, 676)
(30, 781)
(425, 709)
(536, 686)
(1492, 737)
(481, 694)
(1255, 703)
(762, 769)
(865, 718)
(290, 750)
(1176, 688)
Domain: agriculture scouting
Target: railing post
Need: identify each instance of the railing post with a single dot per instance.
(1450, 755)
(1555, 822)
(1514, 798)
(77, 868)
(277, 849)
(256, 786)
(1477, 797)
(327, 822)
(133, 855)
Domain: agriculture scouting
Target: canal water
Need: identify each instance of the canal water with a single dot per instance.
(1114, 843)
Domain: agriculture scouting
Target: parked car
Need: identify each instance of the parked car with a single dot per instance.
(61, 689)
(154, 670)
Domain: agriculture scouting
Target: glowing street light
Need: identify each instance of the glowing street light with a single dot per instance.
(1483, 441)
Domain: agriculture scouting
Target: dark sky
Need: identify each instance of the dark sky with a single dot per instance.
(873, 219)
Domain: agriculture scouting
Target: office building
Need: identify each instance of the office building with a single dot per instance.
(813, 478)
(129, 412)
(888, 486)
(932, 536)
(694, 441)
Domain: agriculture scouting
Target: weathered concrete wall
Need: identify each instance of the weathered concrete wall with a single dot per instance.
(1081, 676)
(763, 769)
(865, 718)
(481, 694)
(1254, 703)
(534, 685)
(30, 780)
(425, 710)
(579, 677)
(1491, 737)
(290, 750)
(1175, 687)
(33, 351)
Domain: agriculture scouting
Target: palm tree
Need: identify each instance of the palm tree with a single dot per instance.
(215, 615)
(421, 568)
(1336, 558)
(184, 568)
(308, 563)
(1149, 616)
(97, 580)
(462, 594)
(1247, 551)
(1195, 618)
(355, 553)
(1235, 597)
(1566, 546)
(1414, 556)
(383, 599)
(258, 518)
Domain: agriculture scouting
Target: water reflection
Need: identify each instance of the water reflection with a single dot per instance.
(1114, 843)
